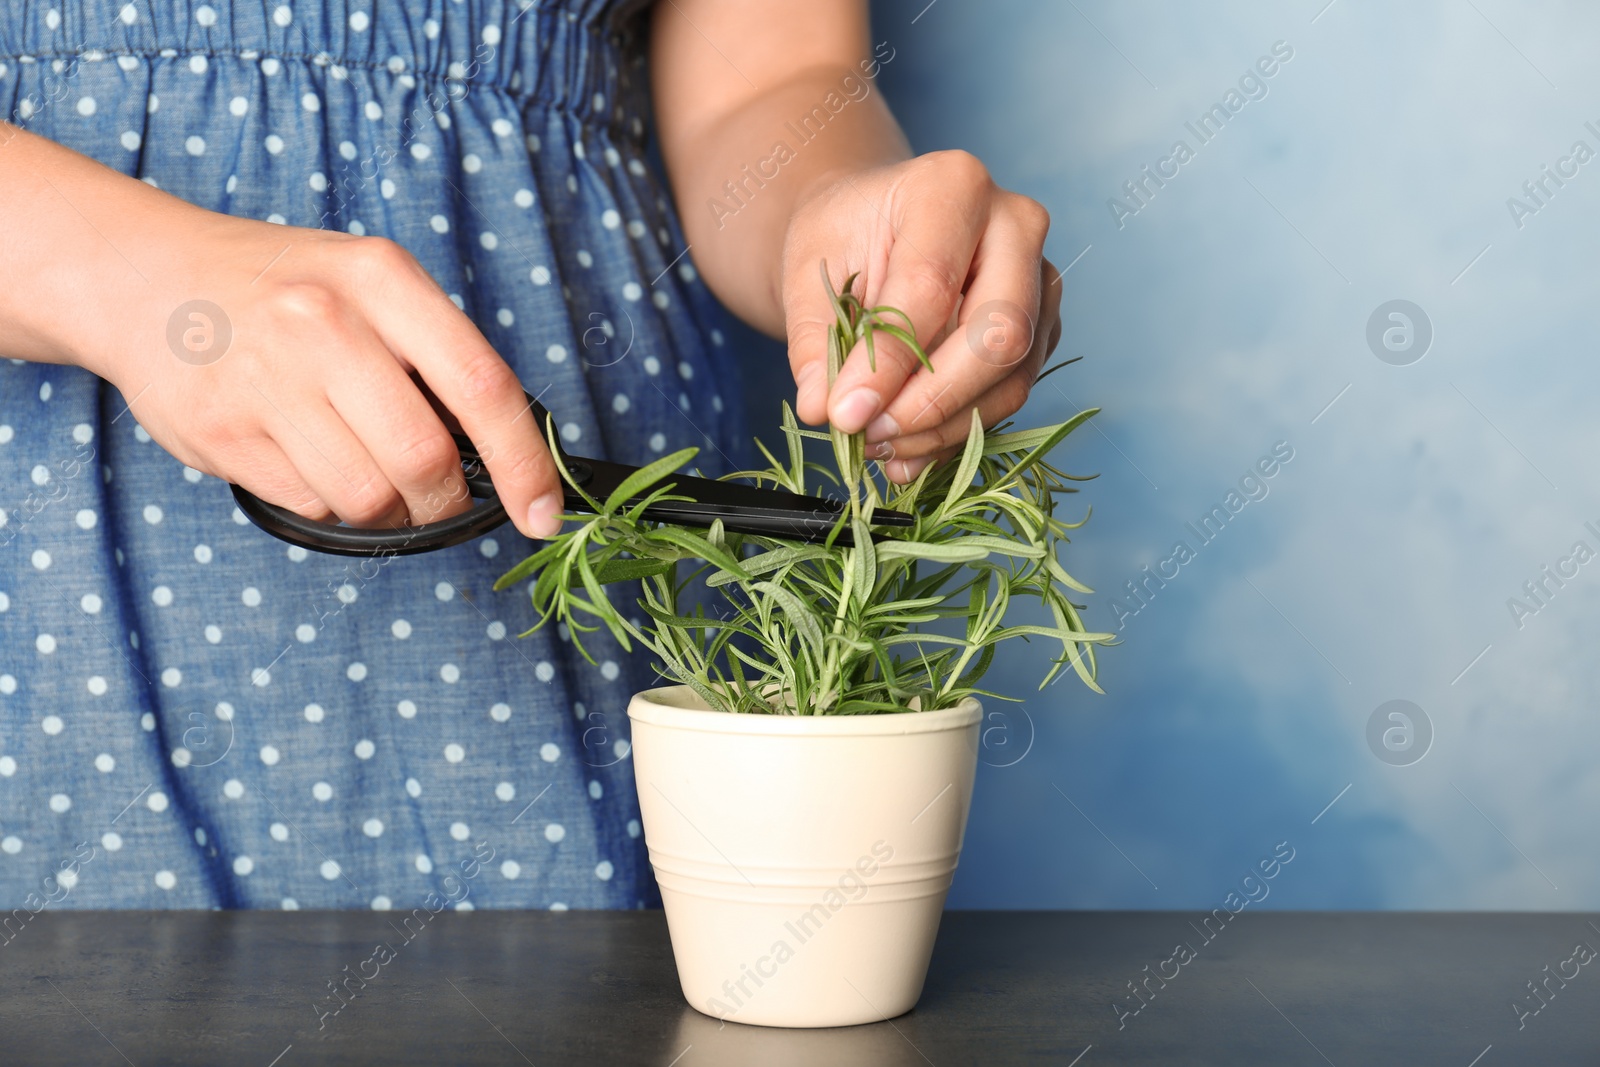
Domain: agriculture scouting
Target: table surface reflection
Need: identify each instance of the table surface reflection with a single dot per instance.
(599, 988)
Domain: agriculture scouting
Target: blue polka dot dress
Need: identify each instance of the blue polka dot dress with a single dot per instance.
(192, 713)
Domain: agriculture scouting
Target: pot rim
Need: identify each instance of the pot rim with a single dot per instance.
(680, 707)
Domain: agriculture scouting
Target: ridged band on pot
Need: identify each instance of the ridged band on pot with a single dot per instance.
(803, 860)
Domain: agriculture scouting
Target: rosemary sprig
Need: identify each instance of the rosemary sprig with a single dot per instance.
(908, 622)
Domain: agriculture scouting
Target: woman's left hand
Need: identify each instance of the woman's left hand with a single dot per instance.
(963, 258)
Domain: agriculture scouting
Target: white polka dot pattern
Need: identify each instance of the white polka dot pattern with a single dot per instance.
(281, 728)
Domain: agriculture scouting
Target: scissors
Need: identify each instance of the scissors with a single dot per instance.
(742, 509)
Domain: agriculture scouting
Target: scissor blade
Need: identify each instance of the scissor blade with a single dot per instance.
(742, 508)
(766, 522)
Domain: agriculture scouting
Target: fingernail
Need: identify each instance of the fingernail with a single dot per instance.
(882, 428)
(910, 468)
(544, 516)
(856, 409)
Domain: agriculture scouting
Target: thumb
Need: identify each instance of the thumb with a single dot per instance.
(808, 316)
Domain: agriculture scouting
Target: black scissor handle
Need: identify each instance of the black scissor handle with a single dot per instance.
(399, 540)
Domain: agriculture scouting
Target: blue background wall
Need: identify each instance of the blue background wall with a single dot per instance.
(1225, 316)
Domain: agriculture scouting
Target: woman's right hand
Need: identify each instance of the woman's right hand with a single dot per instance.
(300, 381)
(313, 406)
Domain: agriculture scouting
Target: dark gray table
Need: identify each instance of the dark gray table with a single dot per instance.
(599, 988)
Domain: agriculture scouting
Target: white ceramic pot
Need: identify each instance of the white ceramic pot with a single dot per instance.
(803, 860)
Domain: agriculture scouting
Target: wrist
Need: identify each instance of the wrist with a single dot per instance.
(87, 262)
(176, 262)
(740, 233)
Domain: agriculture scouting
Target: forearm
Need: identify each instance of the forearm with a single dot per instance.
(741, 160)
(79, 245)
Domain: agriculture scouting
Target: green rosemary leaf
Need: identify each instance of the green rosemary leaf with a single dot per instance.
(865, 560)
(961, 482)
(700, 548)
(1052, 369)
(898, 606)
(796, 612)
(868, 707)
(770, 561)
(646, 476)
(978, 669)
(1056, 436)
(552, 439)
(1017, 441)
(628, 570)
(1003, 545)
(1066, 637)
(908, 339)
(1059, 573)
(797, 452)
(884, 310)
(951, 552)
(923, 637)
(535, 562)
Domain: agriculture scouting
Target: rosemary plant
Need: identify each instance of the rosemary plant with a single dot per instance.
(825, 629)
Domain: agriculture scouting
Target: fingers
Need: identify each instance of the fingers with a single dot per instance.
(911, 454)
(904, 458)
(335, 465)
(1002, 400)
(938, 224)
(815, 241)
(268, 474)
(384, 408)
(807, 318)
(808, 354)
(905, 471)
(998, 327)
(427, 332)
(487, 397)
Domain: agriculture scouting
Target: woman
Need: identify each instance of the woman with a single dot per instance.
(284, 245)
